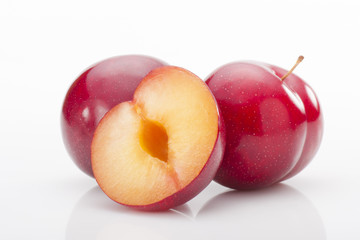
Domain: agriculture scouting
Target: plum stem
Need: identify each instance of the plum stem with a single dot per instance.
(300, 58)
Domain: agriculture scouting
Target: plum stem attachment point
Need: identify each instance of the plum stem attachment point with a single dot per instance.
(299, 60)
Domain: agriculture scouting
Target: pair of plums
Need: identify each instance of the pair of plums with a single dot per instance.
(154, 135)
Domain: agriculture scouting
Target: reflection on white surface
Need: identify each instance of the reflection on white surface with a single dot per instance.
(97, 217)
(279, 212)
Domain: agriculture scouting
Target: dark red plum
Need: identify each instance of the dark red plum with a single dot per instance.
(93, 94)
(273, 123)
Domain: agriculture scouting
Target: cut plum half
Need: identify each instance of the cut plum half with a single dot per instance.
(163, 147)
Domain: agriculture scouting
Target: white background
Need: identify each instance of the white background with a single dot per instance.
(45, 45)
